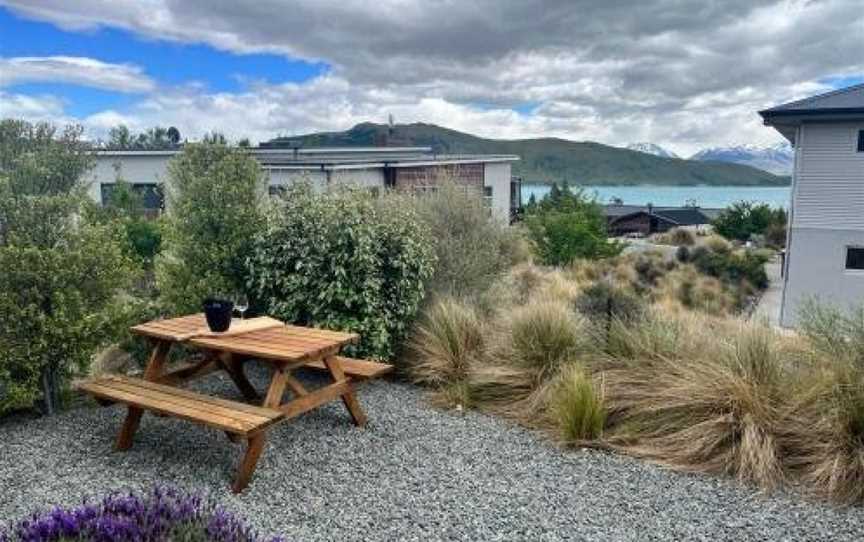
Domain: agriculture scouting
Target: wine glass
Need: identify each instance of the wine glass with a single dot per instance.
(241, 304)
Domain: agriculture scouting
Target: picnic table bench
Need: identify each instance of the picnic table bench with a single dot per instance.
(283, 347)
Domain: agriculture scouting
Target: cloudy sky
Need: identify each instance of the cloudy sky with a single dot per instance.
(685, 74)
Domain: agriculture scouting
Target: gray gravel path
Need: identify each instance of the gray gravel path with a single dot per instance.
(414, 474)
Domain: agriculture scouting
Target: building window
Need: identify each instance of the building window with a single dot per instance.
(150, 193)
(487, 196)
(855, 258)
(860, 140)
(277, 190)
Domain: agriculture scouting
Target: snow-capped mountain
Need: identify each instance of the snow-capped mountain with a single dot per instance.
(777, 159)
(651, 148)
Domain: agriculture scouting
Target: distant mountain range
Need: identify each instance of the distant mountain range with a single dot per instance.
(551, 159)
(651, 148)
(777, 159)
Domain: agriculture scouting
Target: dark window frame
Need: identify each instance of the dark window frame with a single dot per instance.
(854, 258)
(153, 195)
(860, 140)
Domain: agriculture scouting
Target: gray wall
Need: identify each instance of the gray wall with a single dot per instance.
(827, 217)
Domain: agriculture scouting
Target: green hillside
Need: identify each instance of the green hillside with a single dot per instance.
(553, 159)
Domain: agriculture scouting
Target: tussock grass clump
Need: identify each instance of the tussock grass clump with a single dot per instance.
(446, 343)
(828, 447)
(719, 413)
(695, 291)
(717, 243)
(544, 335)
(837, 332)
(677, 237)
(578, 406)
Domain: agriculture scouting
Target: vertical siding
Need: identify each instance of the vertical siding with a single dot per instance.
(497, 175)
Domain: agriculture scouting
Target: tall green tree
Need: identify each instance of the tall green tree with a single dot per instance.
(61, 273)
(216, 200)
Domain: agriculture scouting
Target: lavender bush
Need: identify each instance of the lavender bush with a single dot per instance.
(163, 514)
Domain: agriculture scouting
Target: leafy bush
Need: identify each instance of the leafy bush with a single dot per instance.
(567, 225)
(61, 273)
(731, 267)
(216, 207)
(744, 219)
(161, 514)
(344, 260)
(578, 407)
(472, 247)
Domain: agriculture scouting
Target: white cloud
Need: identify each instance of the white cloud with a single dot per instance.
(678, 73)
(77, 70)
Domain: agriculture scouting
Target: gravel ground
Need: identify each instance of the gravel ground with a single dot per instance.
(414, 473)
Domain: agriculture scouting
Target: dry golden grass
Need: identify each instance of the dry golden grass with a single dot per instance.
(446, 343)
(683, 384)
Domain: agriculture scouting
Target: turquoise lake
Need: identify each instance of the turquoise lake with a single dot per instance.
(704, 196)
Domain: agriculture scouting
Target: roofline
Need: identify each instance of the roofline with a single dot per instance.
(644, 211)
(282, 150)
(769, 113)
(787, 106)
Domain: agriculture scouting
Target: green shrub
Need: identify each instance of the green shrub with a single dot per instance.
(216, 206)
(743, 219)
(578, 407)
(604, 302)
(60, 274)
(344, 260)
(731, 267)
(472, 248)
(568, 225)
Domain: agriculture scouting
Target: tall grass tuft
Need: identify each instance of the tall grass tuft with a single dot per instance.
(828, 448)
(545, 334)
(578, 406)
(720, 413)
(446, 343)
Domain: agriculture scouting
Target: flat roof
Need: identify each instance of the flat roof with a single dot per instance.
(845, 104)
(345, 157)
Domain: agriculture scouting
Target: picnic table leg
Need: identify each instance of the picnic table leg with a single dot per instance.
(234, 367)
(133, 414)
(255, 443)
(254, 447)
(348, 398)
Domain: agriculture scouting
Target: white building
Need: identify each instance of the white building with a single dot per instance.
(402, 168)
(825, 244)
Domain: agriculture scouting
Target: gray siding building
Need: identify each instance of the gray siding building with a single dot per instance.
(413, 169)
(825, 245)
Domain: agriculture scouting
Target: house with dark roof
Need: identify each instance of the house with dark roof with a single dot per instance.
(825, 244)
(638, 219)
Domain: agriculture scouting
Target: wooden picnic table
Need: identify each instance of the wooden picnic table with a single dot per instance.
(283, 347)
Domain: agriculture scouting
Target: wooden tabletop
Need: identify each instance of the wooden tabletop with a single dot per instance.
(281, 342)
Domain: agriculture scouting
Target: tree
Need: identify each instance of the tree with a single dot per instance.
(743, 219)
(216, 200)
(568, 226)
(61, 272)
(174, 136)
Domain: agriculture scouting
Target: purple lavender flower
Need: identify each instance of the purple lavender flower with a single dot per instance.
(161, 514)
